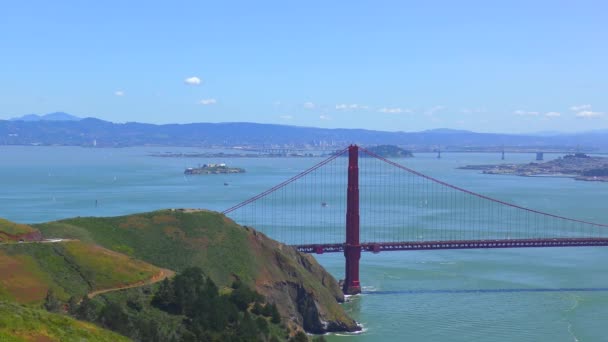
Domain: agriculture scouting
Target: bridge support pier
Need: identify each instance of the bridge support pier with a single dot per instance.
(352, 248)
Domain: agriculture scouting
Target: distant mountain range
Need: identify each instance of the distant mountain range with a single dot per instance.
(66, 129)
(57, 116)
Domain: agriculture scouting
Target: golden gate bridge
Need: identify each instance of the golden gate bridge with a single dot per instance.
(380, 205)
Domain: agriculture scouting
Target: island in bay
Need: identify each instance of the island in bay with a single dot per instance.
(579, 166)
(390, 151)
(207, 169)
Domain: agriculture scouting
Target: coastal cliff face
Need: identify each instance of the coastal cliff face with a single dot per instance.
(306, 295)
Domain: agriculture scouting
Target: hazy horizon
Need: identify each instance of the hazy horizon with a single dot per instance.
(540, 133)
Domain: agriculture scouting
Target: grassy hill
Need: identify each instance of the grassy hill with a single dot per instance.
(14, 228)
(69, 268)
(23, 324)
(12, 232)
(225, 251)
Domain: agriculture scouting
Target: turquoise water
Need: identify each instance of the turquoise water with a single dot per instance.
(469, 295)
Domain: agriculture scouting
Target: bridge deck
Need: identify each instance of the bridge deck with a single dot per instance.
(456, 244)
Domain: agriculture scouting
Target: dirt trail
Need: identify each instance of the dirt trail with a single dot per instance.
(162, 275)
(16, 242)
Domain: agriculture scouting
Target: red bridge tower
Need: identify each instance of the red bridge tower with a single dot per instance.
(352, 248)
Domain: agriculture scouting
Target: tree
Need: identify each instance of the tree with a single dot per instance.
(210, 289)
(257, 309)
(51, 303)
(188, 286)
(299, 337)
(274, 314)
(242, 296)
(114, 317)
(73, 305)
(237, 284)
(247, 328)
(137, 299)
(87, 310)
(262, 325)
(164, 298)
(152, 329)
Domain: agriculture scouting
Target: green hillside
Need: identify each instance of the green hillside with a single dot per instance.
(23, 324)
(71, 268)
(172, 240)
(177, 239)
(11, 232)
(14, 228)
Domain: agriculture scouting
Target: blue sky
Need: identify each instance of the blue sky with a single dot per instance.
(493, 66)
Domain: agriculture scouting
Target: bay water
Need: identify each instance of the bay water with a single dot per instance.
(551, 294)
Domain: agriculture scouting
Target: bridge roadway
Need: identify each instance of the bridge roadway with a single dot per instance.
(377, 247)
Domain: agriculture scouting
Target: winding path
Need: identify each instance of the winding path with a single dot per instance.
(162, 275)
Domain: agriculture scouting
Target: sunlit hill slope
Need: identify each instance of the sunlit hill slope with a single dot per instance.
(307, 296)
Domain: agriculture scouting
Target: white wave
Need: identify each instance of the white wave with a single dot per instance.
(348, 298)
(362, 331)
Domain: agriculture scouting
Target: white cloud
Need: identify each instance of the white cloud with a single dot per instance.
(119, 93)
(553, 114)
(309, 105)
(208, 102)
(192, 80)
(525, 113)
(587, 114)
(352, 106)
(324, 117)
(580, 108)
(286, 117)
(395, 110)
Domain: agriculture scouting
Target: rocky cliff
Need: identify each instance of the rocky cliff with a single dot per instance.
(307, 293)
